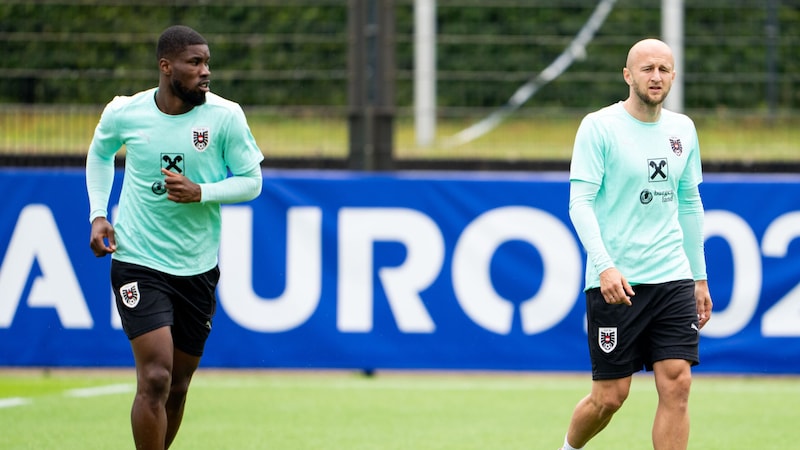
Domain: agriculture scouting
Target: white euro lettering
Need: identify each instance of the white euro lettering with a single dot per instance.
(783, 318)
(746, 273)
(36, 238)
(303, 271)
(359, 228)
(472, 257)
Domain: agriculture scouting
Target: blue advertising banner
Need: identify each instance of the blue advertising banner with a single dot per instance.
(411, 270)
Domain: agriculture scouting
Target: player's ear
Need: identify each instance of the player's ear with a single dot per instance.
(626, 75)
(164, 66)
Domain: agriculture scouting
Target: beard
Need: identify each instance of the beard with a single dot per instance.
(189, 96)
(645, 97)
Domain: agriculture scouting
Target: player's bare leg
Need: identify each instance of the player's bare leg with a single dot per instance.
(595, 411)
(152, 353)
(184, 367)
(671, 425)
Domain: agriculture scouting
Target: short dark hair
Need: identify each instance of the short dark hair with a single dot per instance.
(175, 39)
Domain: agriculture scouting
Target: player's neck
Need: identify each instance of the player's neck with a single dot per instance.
(170, 104)
(642, 111)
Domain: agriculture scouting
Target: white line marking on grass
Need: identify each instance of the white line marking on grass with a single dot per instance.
(100, 390)
(13, 401)
(390, 384)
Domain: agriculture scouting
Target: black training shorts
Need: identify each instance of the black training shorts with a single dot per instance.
(148, 299)
(661, 324)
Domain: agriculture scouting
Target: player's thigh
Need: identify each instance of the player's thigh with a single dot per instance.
(673, 378)
(614, 333)
(674, 332)
(142, 298)
(153, 352)
(195, 304)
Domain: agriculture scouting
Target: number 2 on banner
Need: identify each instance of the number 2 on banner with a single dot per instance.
(783, 319)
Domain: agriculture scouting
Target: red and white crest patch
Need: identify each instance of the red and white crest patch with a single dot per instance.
(607, 338)
(129, 294)
(675, 144)
(200, 138)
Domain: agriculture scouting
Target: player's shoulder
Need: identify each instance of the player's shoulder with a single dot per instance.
(125, 102)
(219, 103)
(610, 112)
(604, 117)
(669, 116)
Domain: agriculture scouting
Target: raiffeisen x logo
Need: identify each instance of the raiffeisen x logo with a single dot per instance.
(658, 169)
(172, 163)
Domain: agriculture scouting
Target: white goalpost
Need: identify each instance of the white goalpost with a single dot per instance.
(425, 71)
(672, 33)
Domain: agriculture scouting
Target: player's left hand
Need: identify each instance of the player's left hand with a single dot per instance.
(704, 303)
(180, 189)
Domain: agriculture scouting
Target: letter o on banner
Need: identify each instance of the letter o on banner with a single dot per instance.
(561, 280)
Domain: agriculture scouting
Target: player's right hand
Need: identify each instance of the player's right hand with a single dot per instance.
(615, 288)
(102, 241)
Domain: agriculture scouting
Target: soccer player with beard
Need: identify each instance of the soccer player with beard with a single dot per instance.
(181, 142)
(636, 206)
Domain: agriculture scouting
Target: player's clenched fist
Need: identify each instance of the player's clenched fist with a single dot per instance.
(179, 188)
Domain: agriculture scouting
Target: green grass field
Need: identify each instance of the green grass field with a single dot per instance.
(541, 136)
(80, 409)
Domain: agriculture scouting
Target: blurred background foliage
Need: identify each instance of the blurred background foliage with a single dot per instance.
(289, 58)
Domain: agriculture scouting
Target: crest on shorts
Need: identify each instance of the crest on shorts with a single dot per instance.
(200, 138)
(677, 147)
(129, 294)
(607, 338)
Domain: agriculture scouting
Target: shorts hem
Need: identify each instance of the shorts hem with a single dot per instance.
(613, 376)
(692, 359)
(143, 331)
(195, 353)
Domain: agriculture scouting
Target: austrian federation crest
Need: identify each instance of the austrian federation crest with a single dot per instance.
(675, 144)
(607, 338)
(200, 138)
(129, 294)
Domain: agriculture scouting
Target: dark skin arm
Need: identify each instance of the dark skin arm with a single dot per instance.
(179, 190)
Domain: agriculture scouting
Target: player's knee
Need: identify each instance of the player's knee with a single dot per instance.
(609, 403)
(678, 388)
(684, 382)
(612, 405)
(179, 388)
(676, 379)
(154, 381)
